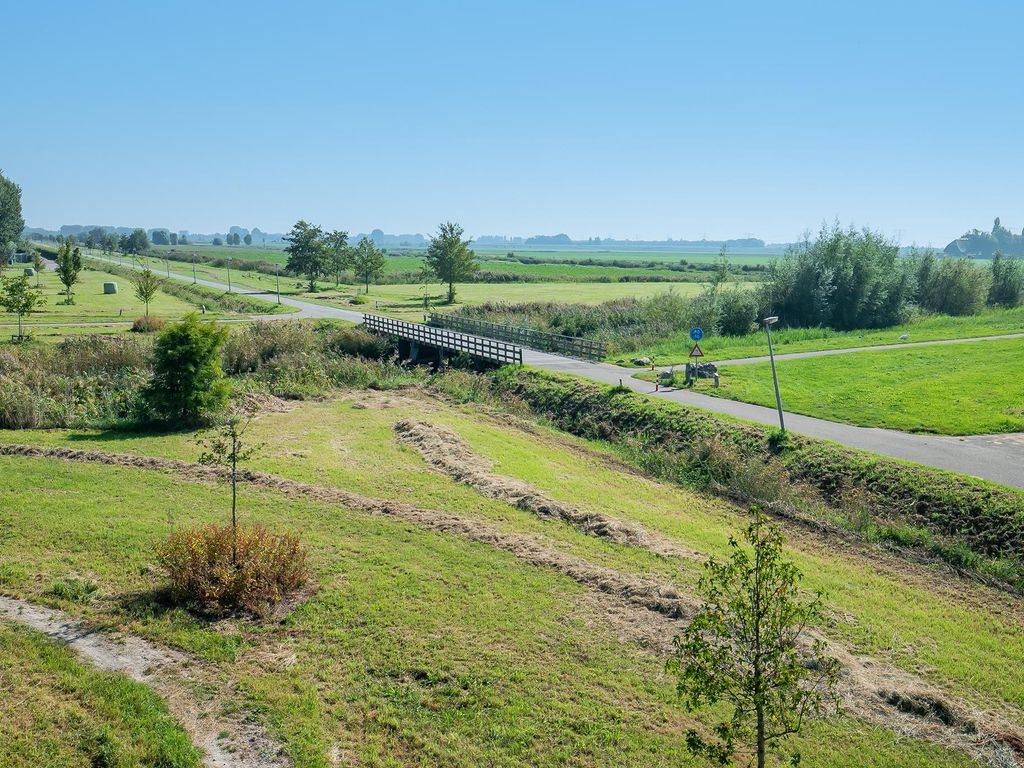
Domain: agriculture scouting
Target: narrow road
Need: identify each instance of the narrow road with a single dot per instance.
(998, 458)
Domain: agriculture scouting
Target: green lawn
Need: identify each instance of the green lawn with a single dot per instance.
(956, 389)
(924, 620)
(418, 649)
(56, 711)
(929, 328)
(92, 305)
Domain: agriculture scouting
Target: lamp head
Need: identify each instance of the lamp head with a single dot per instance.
(771, 320)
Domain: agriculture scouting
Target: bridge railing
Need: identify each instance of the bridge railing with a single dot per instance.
(441, 338)
(572, 346)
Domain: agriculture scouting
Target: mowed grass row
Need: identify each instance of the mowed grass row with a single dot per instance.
(957, 634)
(956, 389)
(418, 649)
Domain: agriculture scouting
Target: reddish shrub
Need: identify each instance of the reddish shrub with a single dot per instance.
(217, 571)
(148, 324)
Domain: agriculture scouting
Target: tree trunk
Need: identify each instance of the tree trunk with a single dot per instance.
(451, 292)
(234, 496)
(760, 737)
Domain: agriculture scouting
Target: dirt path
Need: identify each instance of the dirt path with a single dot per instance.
(167, 672)
(444, 450)
(647, 612)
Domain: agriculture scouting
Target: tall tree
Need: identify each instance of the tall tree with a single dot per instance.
(11, 222)
(450, 258)
(307, 254)
(38, 263)
(367, 262)
(339, 254)
(146, 285)
(137, 242)
(17, 297)
(69, 264)
(748, 647)
(247, 239)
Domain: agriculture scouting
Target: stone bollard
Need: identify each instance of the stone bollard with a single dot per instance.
(110, 287)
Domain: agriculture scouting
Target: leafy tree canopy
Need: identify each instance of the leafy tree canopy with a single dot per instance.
(450, 258)
(11, 221)
(307, 253)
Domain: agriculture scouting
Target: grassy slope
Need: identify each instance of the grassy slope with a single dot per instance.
(55, 711)
(92, 305)
(929, 328)
(418, 649)
(960, 389)
(924, 621)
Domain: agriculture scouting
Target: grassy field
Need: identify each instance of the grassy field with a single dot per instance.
(928, 328)
(92, 305)
(956, 389)
(422, 648)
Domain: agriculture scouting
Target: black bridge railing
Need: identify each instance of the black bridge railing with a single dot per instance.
(440, 338)
(572, 346)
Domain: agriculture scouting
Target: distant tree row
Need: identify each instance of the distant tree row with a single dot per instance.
(233, 239)
(315, 253)
(987, 244)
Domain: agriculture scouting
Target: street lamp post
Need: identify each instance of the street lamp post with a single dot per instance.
(768, 323)
(278, 283)
(229, 274)
(194, 281)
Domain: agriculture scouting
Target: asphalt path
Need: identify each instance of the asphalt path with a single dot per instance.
(998, 458)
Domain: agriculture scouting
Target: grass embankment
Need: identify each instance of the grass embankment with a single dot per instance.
(425, 649)
(55, 711)
(959, 389)
(675, 348)
(967, 522)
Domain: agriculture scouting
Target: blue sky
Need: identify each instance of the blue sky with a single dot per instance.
(638, 120)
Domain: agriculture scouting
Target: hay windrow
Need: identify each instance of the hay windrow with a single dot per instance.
(643, 611)
(447, 452)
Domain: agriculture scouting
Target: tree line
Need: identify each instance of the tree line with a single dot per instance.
(316, 254)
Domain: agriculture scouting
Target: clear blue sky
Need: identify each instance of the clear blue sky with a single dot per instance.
(639, 120)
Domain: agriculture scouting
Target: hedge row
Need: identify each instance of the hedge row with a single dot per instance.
(986, 517)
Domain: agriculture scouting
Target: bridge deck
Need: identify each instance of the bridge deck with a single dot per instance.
(441, 338)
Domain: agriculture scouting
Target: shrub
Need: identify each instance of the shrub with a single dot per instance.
(267, 568)
(357, 299)
(951, 286)
(844, 279)
(148, 324)
(74, 590)
(188, 382)
(1007, 287)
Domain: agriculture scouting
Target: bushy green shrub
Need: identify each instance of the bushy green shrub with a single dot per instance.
(218, 569)
(188, 382)
(844, 279)
(1007, 288)
(951, 286)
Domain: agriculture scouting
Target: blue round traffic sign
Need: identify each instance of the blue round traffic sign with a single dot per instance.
(696, 334)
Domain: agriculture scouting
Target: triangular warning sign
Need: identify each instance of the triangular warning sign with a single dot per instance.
(695, 352)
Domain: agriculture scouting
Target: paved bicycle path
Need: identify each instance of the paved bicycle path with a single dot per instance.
(999, 458)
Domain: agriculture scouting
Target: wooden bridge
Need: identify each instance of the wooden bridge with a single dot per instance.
(570, 346)
(417, 334)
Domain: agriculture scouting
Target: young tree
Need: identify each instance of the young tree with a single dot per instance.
(748, 647)
(11, 221)
(367, 262)
(306, 252)
(69, 264)
(224, 447)
(188, 383)
(247, 239)
(339, 254)
(18, 298)
(146, 285)
(110, 243)
(450, 258)
(38, 263)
